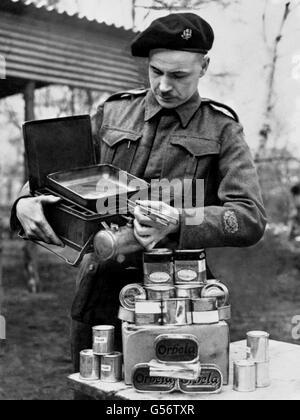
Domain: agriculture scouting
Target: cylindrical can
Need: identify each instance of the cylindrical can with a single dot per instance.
(103, 339)
(188, 291)
(258, 346)
(111, 367)
(130, 293)
(177, 312)
(126, 315)
(89, 366)
(263, 375)
(148, 312)
(160, 292)
(217, 290)
(244, 376)
(158, 267)
(204, 304)
(190, 266)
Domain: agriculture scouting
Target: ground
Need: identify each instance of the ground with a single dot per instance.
(264, 283)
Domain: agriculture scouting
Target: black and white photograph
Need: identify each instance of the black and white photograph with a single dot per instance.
(149, 203)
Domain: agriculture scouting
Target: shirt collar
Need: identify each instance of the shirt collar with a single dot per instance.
(185, 111)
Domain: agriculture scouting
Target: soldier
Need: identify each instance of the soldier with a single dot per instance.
(165, 132)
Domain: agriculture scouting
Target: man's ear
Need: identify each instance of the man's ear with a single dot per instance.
(205, 65)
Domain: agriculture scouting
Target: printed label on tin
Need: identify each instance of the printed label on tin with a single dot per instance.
(143, 382)
(100, 340)
(159, 277)
(106, 368)
(187, 275)
(177, 349)
(210, 381)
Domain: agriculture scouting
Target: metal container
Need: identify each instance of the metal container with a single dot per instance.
(218, 290)
(126, 315)
(160, 292)
(129, 294)
(177, 312)
(158, 267)
(225, 313)
(103, 339)
(148, 312)
(111, 367)
(175, 348)
(89, 366)
(258, 346)
(143, 382)
(204, 304)
(244, 376)
(210, 381)
(263, 375)
(189, 291)
(190, 266)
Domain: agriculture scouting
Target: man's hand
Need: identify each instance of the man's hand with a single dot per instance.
(31, 216)
(148, 232)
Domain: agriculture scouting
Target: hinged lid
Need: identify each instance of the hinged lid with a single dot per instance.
(55, 145)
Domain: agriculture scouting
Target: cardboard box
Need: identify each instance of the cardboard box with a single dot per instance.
(214, 339)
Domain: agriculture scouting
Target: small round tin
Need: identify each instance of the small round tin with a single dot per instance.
(130, 293)
(158, 267)
(160, 292)
(111, 367)
(177, 312)
(263, 375)
(89, 366)
(188, 291)
(204, 304)
(126, 315)
(190, 266)
(258, 346)
(217, 290)
(103, 339)
(244, 376)
(148, 312)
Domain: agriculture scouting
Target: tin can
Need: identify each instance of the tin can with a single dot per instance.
(177, 312)
(103, 339)
(111, 367)
(160, 292)
(225, 313)
(258, 346)
(210, 381)
(244, 376)
(263, 375)
(130, 293)
(175, 348)
(188, 291)
(143, 382)
(204, 304)
(218, 290)
(89, 366)
(190, 266)
(148, 312)
(126, 315)
(158, 267)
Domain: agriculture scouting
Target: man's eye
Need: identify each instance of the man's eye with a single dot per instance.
(155, 71)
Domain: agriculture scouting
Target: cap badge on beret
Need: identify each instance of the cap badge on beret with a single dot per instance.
(187, 34)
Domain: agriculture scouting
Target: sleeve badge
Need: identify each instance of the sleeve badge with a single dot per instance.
(231, 224)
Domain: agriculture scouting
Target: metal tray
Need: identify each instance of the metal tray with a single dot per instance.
(93, 186)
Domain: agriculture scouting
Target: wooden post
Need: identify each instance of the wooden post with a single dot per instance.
(30, 249)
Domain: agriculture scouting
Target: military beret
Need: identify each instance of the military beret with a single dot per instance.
(177, 31)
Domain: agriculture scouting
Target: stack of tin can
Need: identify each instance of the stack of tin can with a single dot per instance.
(175, 292)
(254, 371)
(102, 362)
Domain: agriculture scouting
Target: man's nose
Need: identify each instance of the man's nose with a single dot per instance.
(165, 85)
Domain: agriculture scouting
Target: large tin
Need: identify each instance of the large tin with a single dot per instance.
(263, 375)
(177, 312)
(111, 367)
(244, 376)
(258, 346)
(130, 293)
(190, 266)
(189, 291)
(103, 339)
(204, 311)
(143, 382)
(160, 292)
(148, 312)
(210, 381)
(158, 267)
(89, 366)
(126, 315)
(218, 290)
(173, 348)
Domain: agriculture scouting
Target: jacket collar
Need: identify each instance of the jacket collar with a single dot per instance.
(185, 111)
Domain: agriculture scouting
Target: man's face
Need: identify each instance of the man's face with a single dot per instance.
(174, 75)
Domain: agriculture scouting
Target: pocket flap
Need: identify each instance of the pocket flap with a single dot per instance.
(197, 146)
(113, 136)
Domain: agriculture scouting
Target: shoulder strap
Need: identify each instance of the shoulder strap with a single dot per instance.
(216, 104)
(127, 94)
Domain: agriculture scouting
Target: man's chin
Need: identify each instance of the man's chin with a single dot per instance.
(167, 103)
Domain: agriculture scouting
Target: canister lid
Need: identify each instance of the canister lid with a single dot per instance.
(103, 328)
(158, 255)
(189, 255)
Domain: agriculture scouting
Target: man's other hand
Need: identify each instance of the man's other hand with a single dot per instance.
(30, 213)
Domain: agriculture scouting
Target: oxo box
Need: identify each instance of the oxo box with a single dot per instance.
(139, 344)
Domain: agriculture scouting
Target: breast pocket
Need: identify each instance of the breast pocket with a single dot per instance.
(118, 147)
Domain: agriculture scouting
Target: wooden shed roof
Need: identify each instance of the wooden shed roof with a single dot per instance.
(42, 45)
